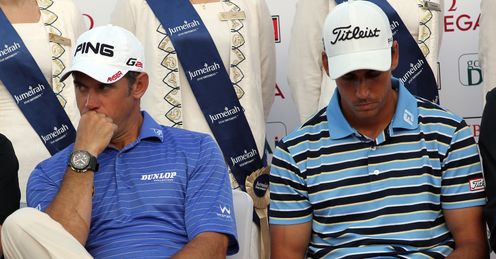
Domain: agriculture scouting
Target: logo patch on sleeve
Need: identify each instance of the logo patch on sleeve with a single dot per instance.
(225, 211)
(477, 184)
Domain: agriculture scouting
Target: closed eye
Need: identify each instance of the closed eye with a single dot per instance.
(80, 87)
(349, 77)
(371, 74)
(105, 86)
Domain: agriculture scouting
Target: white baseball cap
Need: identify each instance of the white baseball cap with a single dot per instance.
(357, 35)
(106, 53)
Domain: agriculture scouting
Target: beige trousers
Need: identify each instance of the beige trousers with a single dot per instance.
(29, 233)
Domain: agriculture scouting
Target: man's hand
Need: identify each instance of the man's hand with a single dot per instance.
(94, 132)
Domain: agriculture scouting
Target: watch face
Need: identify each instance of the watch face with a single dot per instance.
(80, 160)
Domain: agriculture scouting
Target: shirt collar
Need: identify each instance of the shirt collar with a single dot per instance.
(150, 128)
(337, 123)
(405, 117)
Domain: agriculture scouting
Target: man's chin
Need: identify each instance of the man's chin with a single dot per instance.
(366, 114)
(365, 107)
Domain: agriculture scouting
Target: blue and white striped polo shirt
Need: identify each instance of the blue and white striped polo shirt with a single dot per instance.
(382, 197)
(151, 197)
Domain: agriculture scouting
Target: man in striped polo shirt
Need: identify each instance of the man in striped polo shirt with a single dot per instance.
(128, 187)
(378, 172)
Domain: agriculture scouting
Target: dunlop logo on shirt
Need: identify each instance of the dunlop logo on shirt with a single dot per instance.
(159, 177)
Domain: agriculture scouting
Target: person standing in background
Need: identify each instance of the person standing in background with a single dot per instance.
(9, 182)
(242, 42)
(487, 137)
(310, 86)
(487, 147)
(37, 111)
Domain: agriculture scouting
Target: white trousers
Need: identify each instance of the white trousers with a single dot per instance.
(29, 233)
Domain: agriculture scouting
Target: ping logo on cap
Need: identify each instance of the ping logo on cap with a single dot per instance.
(345, 33)
(107, 59)
(99, 48)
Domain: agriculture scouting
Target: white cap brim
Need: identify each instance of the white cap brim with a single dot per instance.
(340, 65)
(103, 73)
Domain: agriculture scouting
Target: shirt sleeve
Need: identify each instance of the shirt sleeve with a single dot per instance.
(289, 203)
(9, 182)
(41, 188)
(209, 205)
(487, 145)
(462, 179)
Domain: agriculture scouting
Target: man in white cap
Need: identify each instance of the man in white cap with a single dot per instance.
(420, 20)
(128, 187)
(379, 173)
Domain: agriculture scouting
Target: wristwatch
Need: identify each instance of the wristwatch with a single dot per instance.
(81, 161)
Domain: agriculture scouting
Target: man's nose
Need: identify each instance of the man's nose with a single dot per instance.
(92, 101)
(362, 89)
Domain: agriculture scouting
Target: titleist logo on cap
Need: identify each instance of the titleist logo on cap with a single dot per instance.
(345, 33)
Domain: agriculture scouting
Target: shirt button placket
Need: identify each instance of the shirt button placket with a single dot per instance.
(374, 172)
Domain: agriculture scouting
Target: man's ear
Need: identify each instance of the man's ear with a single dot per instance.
(140, 86)
(395, 55)
(325, 64)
